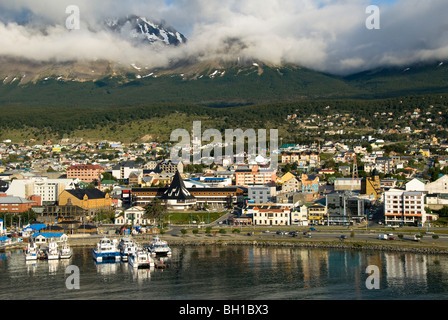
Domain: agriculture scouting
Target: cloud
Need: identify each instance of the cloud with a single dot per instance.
(326, 35)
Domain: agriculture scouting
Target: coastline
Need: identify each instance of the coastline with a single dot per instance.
(423, 247)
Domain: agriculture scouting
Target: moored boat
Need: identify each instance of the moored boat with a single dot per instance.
(127, 249)
(106, 250)
(158, 247)
(65, 252)
(31, 252)
(52, 251)
(141, 259)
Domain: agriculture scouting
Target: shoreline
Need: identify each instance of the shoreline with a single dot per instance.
(424, 247)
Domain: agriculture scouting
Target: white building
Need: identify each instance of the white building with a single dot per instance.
(133, 216)
(48, 189)
(271, 216)
(415, 185)
(404, 207)
(300, 217)
(438, 186)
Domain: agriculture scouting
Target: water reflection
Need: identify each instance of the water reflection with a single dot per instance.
(238, 273)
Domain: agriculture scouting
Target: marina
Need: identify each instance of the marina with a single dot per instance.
(218, 273)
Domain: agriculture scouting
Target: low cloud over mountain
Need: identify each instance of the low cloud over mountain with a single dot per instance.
(325, 35)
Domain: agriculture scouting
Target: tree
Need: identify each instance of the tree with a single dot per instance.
(155, 210)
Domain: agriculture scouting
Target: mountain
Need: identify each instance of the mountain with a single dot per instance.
(240, 81)
(140, 30)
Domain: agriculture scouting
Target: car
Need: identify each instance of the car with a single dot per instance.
(392, 238)
(343, 236)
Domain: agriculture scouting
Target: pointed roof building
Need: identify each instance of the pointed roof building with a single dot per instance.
(177, 196)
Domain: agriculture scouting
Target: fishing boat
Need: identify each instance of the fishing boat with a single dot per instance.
(65, 252)
(31, 252)
(106, 250)
(158, 247)
(127, 248)
(141, 259)
(52, 251)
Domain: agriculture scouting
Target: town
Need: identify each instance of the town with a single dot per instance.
(73, 186)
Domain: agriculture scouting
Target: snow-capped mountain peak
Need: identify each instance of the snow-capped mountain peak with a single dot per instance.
(143, 30)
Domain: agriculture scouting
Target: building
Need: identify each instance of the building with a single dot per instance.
(261, 194)
(92, 200)
(347, 184)
(384, 164)
(415, 184)
(271, 216)
(47, 189)
(344, 209)
(438, 186)
(170, 167)
(134, 216)
(85, 173)
(403, 207)
(10, 204)
(300, 217)
(371, 186)
(310, 183)
(177, 196)
(292, 185)
(317, 214)
(122, 170)
(218, 198)
(254, 175)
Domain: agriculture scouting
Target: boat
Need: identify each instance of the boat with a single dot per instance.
(141, 259)
(127, 248)
(106, 250)
(31, 252)
(158, 247)
(52, 251)
(65, 252)
(41, 254)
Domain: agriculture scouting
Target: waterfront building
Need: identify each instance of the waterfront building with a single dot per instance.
(404, 207)
(271, 215)
(317, 214)
(344, 208)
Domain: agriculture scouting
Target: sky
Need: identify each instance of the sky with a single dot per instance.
(325, 35)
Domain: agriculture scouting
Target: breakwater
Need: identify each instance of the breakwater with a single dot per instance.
(234, 240)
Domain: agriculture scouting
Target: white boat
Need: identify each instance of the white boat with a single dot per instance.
(159, 247)
(106, 249)
(65, 252)
(52, 251)
(141, 259)
(127, 248)
(31, 252)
